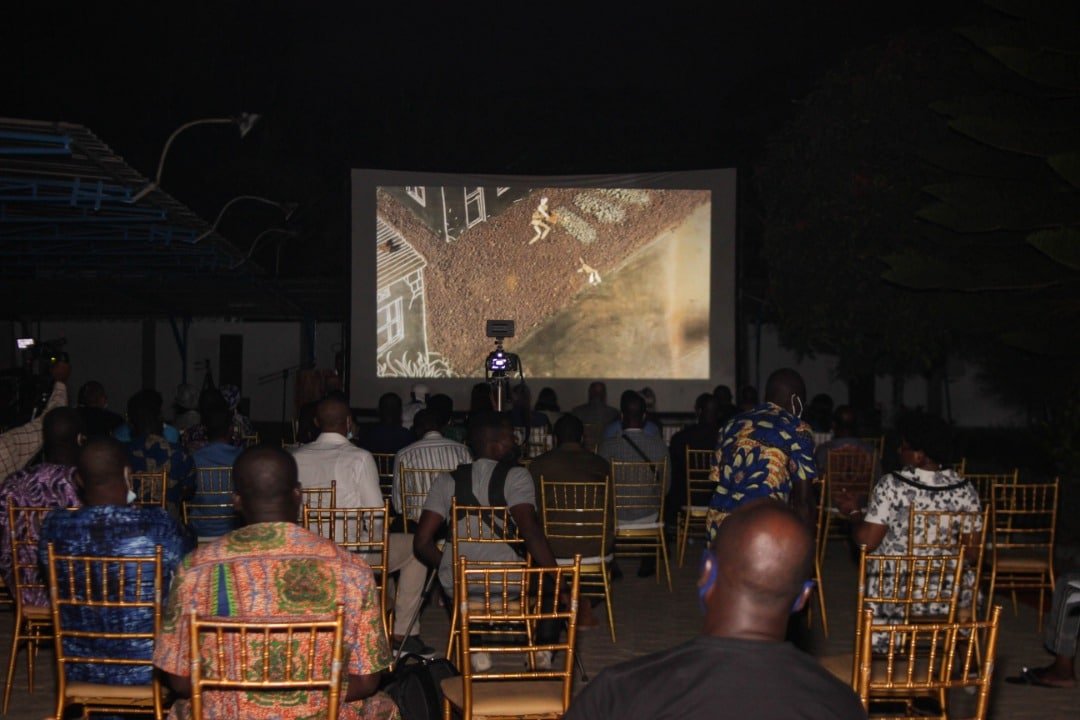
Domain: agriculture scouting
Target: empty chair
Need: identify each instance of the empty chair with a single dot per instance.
(699, 489)
(639, 511)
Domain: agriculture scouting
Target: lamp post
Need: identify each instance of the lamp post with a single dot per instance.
(287, 209)
(244, 121)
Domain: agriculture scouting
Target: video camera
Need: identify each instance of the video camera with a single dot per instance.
(26, 389)
(499, 362)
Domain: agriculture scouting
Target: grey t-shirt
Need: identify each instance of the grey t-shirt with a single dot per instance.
(519, 490)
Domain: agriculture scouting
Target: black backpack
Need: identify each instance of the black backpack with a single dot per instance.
(415, 685)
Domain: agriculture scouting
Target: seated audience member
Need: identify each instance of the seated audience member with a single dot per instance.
(48, 484)
(652, 422)
(443, 406)
(241, 425)
(480, 401)
(701, 435)
(725, 405)
(431, 451)
(522, 414)
(417, 401)
(819, 413)
(548, 403)
(755, 574)
(220, 452)
(843, 438)
(635, 445)
(766, 451)
(748, 398)
(97, 419)
(1060, 638)
(186, 407)
(596, 414)
(273, 567)
(388, 435)
(923, 483)
(107, 526)
(491, 436)
(20, 444)
(195, 436)
(150, 451)
(333, 458)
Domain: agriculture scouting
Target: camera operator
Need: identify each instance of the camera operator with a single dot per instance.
(20, 444)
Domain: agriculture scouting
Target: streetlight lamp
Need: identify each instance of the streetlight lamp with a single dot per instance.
(287, 209)
(244, 121)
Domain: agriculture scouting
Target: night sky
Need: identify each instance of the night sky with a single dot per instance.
(489, 87)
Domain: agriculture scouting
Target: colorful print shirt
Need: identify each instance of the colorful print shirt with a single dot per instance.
(153, 452)
(271, 570)
(761, 453)
(114, 530)
(44, 485)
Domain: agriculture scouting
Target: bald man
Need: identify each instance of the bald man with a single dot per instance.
(755, 574)
(332, 457)
(273, 567)
(766, 451)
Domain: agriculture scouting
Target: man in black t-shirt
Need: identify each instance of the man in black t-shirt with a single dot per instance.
(752, 578)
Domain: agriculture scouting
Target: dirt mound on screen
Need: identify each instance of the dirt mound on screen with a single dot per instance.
(492, 272)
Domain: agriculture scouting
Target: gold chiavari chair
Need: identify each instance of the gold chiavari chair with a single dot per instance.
(478, 525)
(849, 469)
(510, 598)
(319, 497)
(216, 479)
(87, 595)
(216, 513)
(33, 623)
(539, 442)
(385, 464)
(875, 441)
(699, 489)
(576, 515)
(819, 580)
(238, 655)
(363, 530)
(151, 487)
(960, 467)
(639, 492)
(936, 532)
(984, 483)
(1023, 527)
(5, 595)
(249, 440)
(415, 484)
(906, 585)
(925, 661)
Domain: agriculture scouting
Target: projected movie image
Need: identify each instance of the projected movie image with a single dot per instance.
(601, 282)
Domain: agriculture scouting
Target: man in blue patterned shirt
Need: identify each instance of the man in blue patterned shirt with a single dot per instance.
(108, 526)
(149, 450)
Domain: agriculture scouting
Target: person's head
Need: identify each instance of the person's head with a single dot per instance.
(103, 473)
(144, 412)
(632, 407)
(925, 440)
(266, 486)
(756, 571)
(491, 435)
(748, 397)
(597, 392)
(706, 409)
(218, 422)
(521, 396)
(390, 409)
(649, 397)
(568, 429)
(62, 434)
(92, 395)
(420, 392)
(425, 421)
(443, 406)
(480, 398)
(187, 397)
(723, 396)
(547, 400)
(844, 421)
(785, 387)
(333, 415)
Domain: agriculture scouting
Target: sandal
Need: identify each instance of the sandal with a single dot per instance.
(1031, 676)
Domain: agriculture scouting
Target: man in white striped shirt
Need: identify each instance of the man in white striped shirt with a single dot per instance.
(431, 452)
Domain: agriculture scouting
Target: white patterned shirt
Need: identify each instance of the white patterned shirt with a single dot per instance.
(433, 451)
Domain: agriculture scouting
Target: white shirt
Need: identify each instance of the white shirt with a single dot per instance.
(333, 457)
(432, 451)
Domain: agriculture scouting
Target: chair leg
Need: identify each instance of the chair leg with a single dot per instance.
(1042, 598)
(680, 533)
(607, 602)
(667, 568)
(11, 660)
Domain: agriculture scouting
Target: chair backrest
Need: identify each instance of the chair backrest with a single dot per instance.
(959, 467)
(499, 610)
(24, 530)
(320, 497)
(250, 440)
(213, 480)
(150, 487)
(849, 469)
(575, 514)
(364, 530)
(267, 655)
(384, 462)
(639, 489)
(482, 525)
(875, 441)
(212, 516)
(415, 484)
(927, 659)
(935, 532)
(101, 604)
(699, 482)
(984, 483)
(1024, 517)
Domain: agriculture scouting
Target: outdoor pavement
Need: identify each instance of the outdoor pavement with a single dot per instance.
(649, 618)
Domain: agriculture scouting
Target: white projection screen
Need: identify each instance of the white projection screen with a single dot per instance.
(628, 279)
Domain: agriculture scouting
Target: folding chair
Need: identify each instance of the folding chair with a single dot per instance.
(639, 511)
(364, 530)
(88, 595)
(576, 514)
(699, 489)
(266, 656)
(514, 597)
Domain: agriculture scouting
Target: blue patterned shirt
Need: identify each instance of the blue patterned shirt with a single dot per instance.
(153, 452)
(115, 530)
